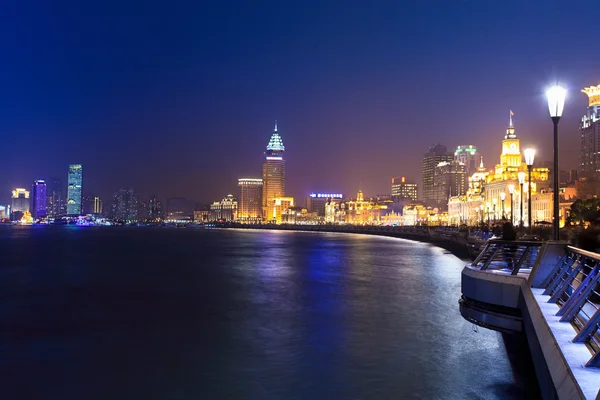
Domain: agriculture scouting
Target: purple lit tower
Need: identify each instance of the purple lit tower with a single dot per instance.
(39, 199)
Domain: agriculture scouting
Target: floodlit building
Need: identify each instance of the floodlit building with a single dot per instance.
(225, 210)
(279, 207)
(74, 189)
(273, 172)
(39, 199)
(250, 204)
(20, 200)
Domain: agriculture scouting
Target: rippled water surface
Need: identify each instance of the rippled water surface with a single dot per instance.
(148, 313)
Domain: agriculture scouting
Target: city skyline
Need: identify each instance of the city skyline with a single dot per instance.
(159, 115)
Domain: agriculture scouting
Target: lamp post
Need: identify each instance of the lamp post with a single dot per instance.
(521, 176)
(476, 215)
(488, 207)
(502, 197)
(556, 103)
(529, 157)
(494, 201)
(511, 190)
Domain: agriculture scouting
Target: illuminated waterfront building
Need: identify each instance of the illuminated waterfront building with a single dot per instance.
(74, 189)
(39, 199)
(315, 202)
(363, 212)
(250, 204)
(486, 203)
(273, 172)
(125, 206)
(590, 134)
(225, 211)
(278, 207)
(20, 200)
(403, 189)
(431, 160)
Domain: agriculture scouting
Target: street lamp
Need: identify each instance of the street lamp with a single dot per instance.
(521, 176)
(502, 197)
(511, 190)
(488, 207)
(556, 103)
(494, 201)
(529, 157)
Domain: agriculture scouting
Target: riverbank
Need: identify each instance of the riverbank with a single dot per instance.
(450, 239)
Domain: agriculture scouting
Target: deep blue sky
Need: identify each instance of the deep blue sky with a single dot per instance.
(179, 98)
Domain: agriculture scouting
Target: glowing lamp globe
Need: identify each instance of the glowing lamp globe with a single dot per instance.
(529, 156)
(556, 100)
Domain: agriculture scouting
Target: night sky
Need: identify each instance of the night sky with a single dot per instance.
(179, 98)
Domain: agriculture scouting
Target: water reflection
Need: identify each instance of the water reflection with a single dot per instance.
(240, 314)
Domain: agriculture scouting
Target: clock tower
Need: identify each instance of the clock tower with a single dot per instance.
(511, 152)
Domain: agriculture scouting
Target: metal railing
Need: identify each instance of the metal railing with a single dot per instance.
(510, 257)
(574, 285)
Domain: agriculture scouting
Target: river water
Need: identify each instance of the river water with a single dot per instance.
(157, 313)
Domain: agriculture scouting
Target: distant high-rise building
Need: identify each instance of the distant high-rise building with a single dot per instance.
(20, 200)
(250, 206)
(468, 155)
(273, 171)
(125, 205)
(39, 199)
(431, 160)
(97, 208)
(55, 198)
(155, 209)
(74, 189)
(403, 189)
(449, 180)
(590, 134)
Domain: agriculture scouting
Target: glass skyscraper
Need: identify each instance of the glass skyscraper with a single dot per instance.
(75, 182)
(39, 199)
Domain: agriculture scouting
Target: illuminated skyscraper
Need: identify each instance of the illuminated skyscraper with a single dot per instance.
(39, 199)
(74, 188)
(250, 203)
(590, 134)
(436, 155)
(273, 171)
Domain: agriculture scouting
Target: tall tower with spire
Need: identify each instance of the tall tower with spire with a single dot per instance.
(273, 171)
(511, 152)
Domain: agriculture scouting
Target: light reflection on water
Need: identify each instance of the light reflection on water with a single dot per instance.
(187, 314)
